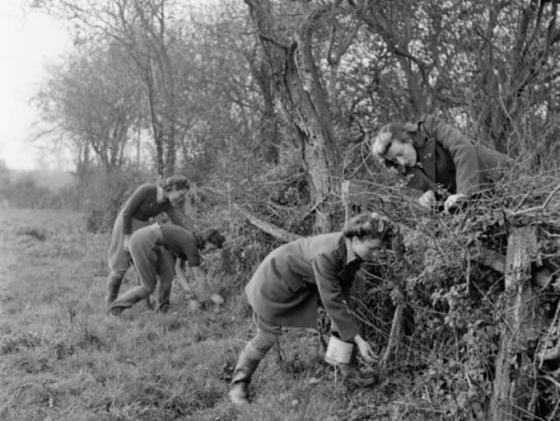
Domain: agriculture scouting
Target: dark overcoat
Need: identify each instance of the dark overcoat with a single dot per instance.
(286, 287)
(448, 159)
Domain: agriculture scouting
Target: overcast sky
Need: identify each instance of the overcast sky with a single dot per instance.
(28, 40)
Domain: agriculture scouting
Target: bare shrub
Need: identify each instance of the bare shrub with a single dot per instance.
(35, 232)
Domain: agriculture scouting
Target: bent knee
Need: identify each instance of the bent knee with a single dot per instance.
(260, 344)
(148, 289)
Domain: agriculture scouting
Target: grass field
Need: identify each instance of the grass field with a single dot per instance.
(63, 358)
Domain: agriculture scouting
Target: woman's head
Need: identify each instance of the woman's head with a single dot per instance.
(174, 186)
(212, 236)
(393, 145)
(368, 232)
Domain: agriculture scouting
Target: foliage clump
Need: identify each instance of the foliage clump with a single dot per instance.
(453, 279)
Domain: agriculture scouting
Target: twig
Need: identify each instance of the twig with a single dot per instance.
(552, 380)
(523, 200)
(553, 413)
(274, 42)
(538, 208)
(547, 201)
(543, 354)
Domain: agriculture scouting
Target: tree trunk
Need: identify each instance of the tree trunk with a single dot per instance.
(268, 128)
(170, 107)
(303, 102)
(157, 129)
(271, 229)
(511, 384)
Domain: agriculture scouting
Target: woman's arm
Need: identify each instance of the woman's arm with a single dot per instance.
(330, 290)
(461, 149)
(202, 287)
(177, 220)
(181, 277)
(203, 291)
(331, 294)
(130, 208)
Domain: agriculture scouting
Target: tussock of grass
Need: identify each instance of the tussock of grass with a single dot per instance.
(34, 232)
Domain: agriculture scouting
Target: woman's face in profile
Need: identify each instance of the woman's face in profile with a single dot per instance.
(175, 194)
(401, 153)
(365, 248)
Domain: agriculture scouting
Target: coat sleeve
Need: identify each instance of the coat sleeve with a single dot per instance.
(191, 253)
(131, 206)
(460, 148)
(181, 241)
(332, 296)
(176, 219)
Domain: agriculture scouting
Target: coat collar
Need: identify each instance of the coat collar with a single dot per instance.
(351, 262)
(425, 146)
(349, 252)
(160, 197)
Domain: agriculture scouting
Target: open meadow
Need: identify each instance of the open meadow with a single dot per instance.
(63, 358)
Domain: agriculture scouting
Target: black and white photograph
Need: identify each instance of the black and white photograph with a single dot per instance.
(279, 210)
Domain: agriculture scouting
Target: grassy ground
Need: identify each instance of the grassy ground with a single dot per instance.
(63, 358)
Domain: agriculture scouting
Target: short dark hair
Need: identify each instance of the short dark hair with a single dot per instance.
(175, 182)
(213, 236)
(399, 131)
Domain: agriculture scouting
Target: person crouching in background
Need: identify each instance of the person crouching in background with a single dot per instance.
(285, 290)
(153, 249)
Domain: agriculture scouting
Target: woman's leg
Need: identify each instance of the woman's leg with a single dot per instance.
(166, 272)
(267, 335)
(119, 260)
(145, 255)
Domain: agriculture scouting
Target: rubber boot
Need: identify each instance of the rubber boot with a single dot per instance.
(127, 300)
(320, 350)
(238, 393)
(113, 286)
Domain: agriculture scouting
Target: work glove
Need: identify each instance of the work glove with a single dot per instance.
(454, 202)
(193, 305)
(366, 351)
(428, 199)
(217, 299)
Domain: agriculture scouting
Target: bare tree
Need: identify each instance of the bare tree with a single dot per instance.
(91, 100)
(145, 30)
(491, 60)
(514, 75)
